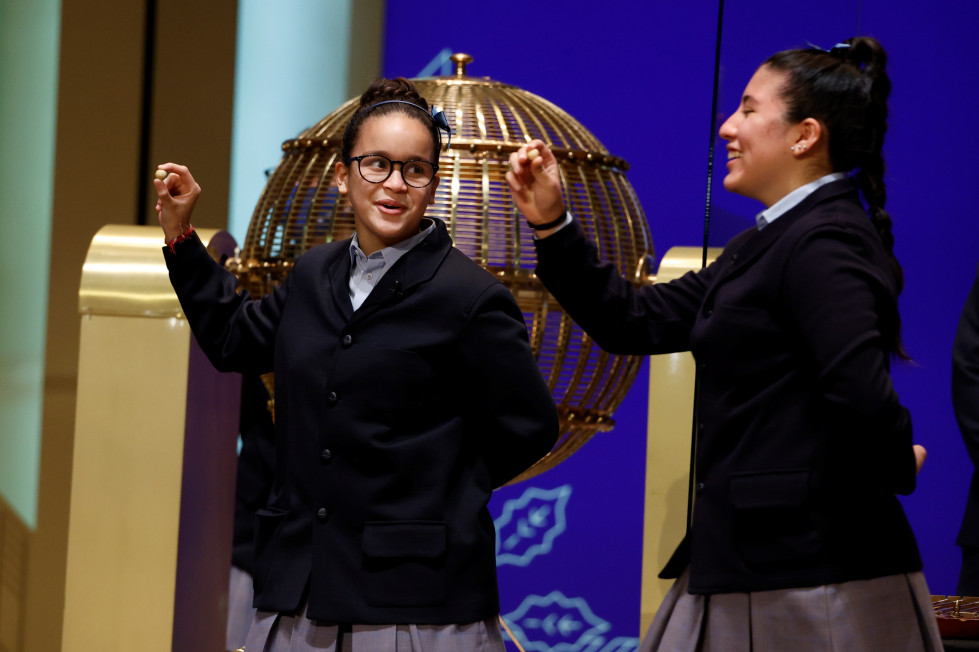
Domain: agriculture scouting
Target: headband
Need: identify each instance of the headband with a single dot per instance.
(438, 118)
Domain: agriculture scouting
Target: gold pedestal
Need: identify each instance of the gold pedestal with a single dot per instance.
(153, 474)
(671, 393)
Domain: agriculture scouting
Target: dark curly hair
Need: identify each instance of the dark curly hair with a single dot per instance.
(384, 90)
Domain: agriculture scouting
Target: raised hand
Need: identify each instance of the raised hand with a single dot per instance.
(176, 195)
(535, 183)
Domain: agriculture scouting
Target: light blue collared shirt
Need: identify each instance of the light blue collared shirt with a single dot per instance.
(366, 271)
(782, 206)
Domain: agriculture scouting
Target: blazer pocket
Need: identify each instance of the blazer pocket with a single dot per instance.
(774, 527)
(404, 563)
(268, 525)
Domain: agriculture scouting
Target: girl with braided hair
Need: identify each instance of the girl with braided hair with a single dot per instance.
(797, 540)
(406, 390)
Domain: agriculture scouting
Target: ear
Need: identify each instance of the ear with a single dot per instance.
(432, 187)
(810, 133)
(341, 174)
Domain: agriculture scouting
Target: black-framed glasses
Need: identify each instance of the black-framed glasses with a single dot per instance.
(376, 169)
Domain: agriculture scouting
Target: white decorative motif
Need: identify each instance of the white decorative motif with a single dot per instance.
(440, 64)
(622, 644)
(528, 525)
(555, 623)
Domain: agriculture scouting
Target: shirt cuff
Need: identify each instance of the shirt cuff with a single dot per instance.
(568, 219)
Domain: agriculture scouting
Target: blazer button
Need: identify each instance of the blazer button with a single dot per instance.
(708, 312)
(347, 341)
(326, 456)
(699, 487)
(331, 399)
(321, 514)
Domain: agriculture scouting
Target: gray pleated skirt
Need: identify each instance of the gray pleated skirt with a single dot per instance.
(273, 632)
(241, 613)
(892, 614)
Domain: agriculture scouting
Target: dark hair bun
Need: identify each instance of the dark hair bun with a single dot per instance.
(399, 88)
(867, 54)
(388, 90)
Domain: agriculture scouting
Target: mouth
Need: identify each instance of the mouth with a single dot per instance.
(731, 154)
(389, 206)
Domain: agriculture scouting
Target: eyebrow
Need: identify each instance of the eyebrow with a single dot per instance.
(388, 155)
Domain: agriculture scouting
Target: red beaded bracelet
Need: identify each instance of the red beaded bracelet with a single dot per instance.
(180, 238)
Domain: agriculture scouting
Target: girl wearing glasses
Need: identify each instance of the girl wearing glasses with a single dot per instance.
(406, 390)
(798, 541)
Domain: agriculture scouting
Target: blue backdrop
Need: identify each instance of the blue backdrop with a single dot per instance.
(638, 75)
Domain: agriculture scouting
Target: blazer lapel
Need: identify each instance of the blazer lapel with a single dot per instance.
(414, 268)
(339, 273)
(757, 242)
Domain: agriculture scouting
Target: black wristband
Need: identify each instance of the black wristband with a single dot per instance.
(548, 225)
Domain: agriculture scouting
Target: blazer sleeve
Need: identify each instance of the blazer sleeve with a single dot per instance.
(620, 317)
(510, 405)
(840, 295)
(965, 373)
(236, 332)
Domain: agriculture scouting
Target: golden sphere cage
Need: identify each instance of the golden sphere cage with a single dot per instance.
(301, 207)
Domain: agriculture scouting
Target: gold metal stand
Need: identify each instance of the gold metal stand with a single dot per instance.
(671, 385)
(149, 537)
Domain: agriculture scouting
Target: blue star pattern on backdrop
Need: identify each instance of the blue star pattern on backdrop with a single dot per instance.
(526, 528)
(555, 623)
(622, 644)
(528, 525)
(440, 64)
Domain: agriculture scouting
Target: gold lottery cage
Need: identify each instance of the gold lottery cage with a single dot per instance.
(301, 207)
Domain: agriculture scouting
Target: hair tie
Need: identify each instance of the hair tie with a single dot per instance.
(839, 50)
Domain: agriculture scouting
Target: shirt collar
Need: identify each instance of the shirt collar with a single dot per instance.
(391, 254)
(791, 200)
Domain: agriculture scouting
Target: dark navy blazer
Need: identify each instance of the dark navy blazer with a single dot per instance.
(394, 424)
(802, 442)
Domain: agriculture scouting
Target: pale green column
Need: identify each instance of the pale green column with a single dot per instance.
(291, 70)
(29, 42)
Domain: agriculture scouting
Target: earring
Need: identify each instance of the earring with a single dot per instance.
(801, 147)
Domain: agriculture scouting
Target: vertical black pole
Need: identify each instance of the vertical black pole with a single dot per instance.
(695, 430)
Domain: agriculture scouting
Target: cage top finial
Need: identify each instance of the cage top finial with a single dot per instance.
(461, 60)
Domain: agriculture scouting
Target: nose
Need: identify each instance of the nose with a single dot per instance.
(395, 180)
(728, 130)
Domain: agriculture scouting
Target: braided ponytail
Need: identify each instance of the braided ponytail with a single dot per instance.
(867, 55)
(846, 89)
